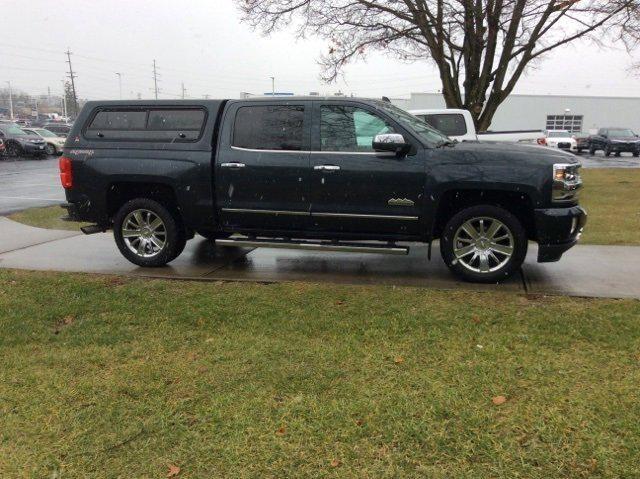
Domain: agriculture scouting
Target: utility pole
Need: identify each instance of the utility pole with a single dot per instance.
(184, 91)
(120, 83)
(155, 79)
(10, 100)
(73, 83)
(273, 86)
(206, 97)
(64, 99)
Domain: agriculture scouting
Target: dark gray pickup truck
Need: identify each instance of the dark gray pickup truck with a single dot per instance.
(337, 174)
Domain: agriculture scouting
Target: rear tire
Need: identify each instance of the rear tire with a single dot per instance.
(147, 233)
(50, 149)
(636, 154)
(497, 251)
(607, 151)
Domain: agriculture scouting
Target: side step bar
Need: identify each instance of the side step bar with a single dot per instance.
(316, 245)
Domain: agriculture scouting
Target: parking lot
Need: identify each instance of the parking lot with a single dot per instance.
(27, 183)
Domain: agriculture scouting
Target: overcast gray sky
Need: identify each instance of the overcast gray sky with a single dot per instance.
(203, 44)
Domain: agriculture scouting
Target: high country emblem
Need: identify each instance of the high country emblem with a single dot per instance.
(400, 202)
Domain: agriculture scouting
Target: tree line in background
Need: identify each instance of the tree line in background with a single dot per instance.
(480, 47)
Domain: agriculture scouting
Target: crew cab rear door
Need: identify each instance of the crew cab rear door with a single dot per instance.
(262, 166)
(355, 189)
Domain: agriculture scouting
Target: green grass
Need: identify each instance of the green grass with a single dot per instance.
(611, 197)
(110, 377)
(612, 200)
(46, 217)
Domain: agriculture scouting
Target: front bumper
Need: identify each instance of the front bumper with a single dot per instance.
(557, 230)
(33, 148)
(625, 147)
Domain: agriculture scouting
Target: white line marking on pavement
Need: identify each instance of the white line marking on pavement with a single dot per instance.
(28, 198)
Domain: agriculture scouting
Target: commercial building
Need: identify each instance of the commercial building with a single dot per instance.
(552, 112)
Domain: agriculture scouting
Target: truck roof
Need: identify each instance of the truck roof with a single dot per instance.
(196, 102)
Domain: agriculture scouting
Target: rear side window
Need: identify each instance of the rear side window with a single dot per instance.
(166, 125)
(451, 124)
(119, 120)
(176, 119)
(269, 127)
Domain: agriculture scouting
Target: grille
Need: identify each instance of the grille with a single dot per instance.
(564, 145)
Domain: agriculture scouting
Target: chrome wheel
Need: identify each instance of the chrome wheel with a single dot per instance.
(144, 233)
(483, 245)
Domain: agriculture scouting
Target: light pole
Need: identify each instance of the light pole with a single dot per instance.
(10, 100)
(564, 119)
(120, 83)
(273, 86)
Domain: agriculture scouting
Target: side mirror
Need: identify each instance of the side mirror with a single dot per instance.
(604, 136)
(392, 142)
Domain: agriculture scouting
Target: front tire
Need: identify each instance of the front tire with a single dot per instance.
(592, 150)
(147, 233)
(50, 149)
(14, 150)
(607, 151)
(483, 244)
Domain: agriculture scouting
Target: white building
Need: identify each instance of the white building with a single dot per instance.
(552, 112)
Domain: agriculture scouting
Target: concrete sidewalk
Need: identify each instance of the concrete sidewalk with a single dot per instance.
(598, 271)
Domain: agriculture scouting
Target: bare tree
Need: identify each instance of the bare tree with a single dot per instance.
(481, 47)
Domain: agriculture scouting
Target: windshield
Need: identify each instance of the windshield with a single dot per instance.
(45, 133)
(14, 130)
(622, 132)
(415, 124)
(558, 134)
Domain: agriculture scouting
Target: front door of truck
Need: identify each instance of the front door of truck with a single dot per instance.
(262, 166)
(355, 189)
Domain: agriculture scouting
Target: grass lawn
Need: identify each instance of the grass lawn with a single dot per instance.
(111, 377)
(611, 197)
(45, 217)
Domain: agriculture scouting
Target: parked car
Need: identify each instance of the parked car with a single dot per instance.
(314, 173)
(615, 140)
(562, 139)
(54, 142)
(60, 129)
(582, 141)
(459, 125)
(18, 142)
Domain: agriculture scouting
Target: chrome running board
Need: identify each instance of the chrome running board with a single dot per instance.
(316, 245)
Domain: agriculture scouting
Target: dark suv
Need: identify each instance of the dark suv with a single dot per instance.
(615, 140)
(314, 173)
(18, 143)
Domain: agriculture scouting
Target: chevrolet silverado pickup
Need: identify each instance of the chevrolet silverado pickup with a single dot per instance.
(333, 174)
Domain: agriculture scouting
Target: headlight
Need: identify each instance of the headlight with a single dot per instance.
(566, 182)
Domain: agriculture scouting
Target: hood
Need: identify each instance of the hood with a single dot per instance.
(30, 138)
(629, 139)
(522, 154)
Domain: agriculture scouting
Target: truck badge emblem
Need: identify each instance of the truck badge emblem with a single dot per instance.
(400, 202)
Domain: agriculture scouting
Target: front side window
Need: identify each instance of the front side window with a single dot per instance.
(418, 126)
(348, 128)
(451, 124)
(269, 127)
(621, 133)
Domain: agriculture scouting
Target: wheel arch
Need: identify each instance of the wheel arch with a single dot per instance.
(451, 201)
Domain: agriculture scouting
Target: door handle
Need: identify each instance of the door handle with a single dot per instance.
(326, 167)
(232, 165)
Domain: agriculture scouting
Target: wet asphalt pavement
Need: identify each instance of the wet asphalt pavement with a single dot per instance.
(27, 183)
